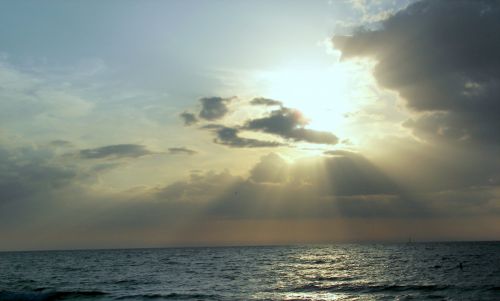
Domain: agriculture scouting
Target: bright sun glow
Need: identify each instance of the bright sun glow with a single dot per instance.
(325, 93)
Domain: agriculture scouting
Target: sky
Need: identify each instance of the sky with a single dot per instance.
(193, 123)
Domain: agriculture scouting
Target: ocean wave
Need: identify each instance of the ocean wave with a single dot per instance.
(359, 288)
(334, 278)
(170, 296)
(40, 295)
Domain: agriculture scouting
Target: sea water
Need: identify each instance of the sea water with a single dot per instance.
(413, 271)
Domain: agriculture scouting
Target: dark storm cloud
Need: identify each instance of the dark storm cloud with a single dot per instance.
(289, 124)
(115, 151)
(188, 118)
(443, 57)
(213, 108)
(181, 150)
(261, 101)
(230, 137)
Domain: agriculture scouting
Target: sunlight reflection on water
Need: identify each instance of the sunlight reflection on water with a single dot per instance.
(334, 272)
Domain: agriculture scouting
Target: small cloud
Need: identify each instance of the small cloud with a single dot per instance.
(289, 124)
(115, 151)
(188, 118)
(211, 126)
(261, 101)
(230, 137)
(181, 150)
(60, 143)
(346, 141)
(213, 108)
(103, 167)
(338, 153)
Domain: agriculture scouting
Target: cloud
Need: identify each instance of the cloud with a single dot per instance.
(433, 167)
(271, 169)
(61, 143)
(341, 174)
(261, 101)
(213, 108)
(181, 150)
(115, 151)
(25, 172)
(344, 173)
(342, 185)
(443, 58)
(230, 137)
(199, 188)
(284, 122)
(50, 107)
(289, 124)
(346, 184)
(188, 118)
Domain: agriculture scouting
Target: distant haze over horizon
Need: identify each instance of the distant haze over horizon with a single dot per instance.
(127, 124)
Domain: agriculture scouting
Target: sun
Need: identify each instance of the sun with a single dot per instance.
(324, 93)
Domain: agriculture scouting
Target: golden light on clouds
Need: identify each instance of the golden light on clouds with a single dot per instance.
(246, 113)
(324, 92)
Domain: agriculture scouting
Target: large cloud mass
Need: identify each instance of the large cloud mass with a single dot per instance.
(28, 172)
(55, 202)
(443, 57)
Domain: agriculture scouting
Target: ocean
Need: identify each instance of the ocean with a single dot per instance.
(412, 271)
